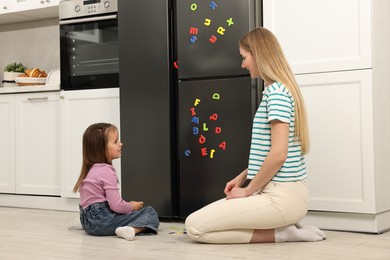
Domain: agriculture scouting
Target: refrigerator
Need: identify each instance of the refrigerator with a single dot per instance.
(186, 105)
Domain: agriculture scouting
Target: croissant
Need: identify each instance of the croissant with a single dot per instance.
(35, 73)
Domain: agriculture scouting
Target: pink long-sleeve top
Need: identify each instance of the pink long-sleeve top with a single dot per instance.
(100, 185)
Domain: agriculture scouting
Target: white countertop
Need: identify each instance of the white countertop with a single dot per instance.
(25, 89)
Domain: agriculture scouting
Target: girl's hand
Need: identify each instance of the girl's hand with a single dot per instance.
(137, 205)
(236, 192)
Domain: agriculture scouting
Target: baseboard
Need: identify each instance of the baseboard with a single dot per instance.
(355, 222)
(39, 202)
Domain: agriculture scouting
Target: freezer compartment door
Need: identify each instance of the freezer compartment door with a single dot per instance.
(207, 37)
(215, 121)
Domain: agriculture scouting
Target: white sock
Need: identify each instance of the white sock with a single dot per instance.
(314, 229)
(126, 232)
(293, 234)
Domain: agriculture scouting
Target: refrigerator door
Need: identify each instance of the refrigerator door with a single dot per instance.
(145, 104)
(215, 121)
(207, 37)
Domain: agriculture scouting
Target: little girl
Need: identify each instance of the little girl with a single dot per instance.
(102, 210)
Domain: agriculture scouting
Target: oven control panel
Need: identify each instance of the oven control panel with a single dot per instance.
(69, 9)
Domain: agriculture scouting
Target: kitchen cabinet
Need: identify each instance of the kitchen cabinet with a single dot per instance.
(26, 5)
(349, 125)
(4, 6)
(340, 52)
(7, 140)
(79, 109)
(322, 36)
(13, 11)
(341, 159)
(33, 144)
(6, 15)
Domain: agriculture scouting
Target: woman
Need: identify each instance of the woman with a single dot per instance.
(276, 199)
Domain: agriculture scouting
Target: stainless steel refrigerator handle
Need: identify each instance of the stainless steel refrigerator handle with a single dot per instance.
(37, 99)
(93, 19)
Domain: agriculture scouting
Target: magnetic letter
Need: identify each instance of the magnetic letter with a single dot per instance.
(204, 151)
(195, 130)
(193, 30)
(195, 120)
(230, 21)
(214, 117)
(205, 127)
(213, 5)
(207, 22)
(202, 139)
(187, 153)
(221, 30)
(222, 145)
(192, 109)
(218, 130)
(193, 39)
(212, 153)
(194, 7)
(216, 96)
(197, 101)
(213, 39)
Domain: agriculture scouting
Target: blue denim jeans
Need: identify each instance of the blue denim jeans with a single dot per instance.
(99, 220)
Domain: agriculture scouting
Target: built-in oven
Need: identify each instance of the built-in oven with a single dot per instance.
(89, 44)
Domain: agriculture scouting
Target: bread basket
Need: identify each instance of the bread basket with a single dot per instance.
(30, 81)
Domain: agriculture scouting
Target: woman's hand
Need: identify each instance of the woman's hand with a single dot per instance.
(236, 182)
(137, 205)
(236, 192)
(230, 185)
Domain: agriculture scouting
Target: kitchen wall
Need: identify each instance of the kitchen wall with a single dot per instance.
(35, 44)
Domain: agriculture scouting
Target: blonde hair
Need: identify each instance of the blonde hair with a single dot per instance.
(272, 66)
(95, 140)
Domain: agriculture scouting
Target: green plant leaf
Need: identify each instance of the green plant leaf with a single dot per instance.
(15, 67)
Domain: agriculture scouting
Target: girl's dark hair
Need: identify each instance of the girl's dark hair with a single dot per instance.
(95, 140)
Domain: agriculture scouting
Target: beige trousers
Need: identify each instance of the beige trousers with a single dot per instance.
(233, 221)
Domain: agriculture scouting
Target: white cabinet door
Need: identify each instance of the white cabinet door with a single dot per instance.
(43, 9)
(321, 36)
(7, 144)
(80, 109)
(23, 5)
(4, 7)
(38, 143)
(13, 11)
(27, 5)
(341, 160)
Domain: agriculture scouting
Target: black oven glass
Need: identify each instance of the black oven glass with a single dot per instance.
(89, 55)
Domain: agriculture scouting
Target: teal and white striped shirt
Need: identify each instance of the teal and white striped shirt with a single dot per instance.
(277, 104)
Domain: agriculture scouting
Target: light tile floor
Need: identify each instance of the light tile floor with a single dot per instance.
(43, 234)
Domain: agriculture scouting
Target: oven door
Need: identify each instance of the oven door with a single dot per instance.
(89, 53)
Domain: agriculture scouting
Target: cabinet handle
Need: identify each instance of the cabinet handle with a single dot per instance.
(38, 99)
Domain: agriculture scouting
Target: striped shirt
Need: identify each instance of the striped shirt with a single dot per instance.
(277, 104)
